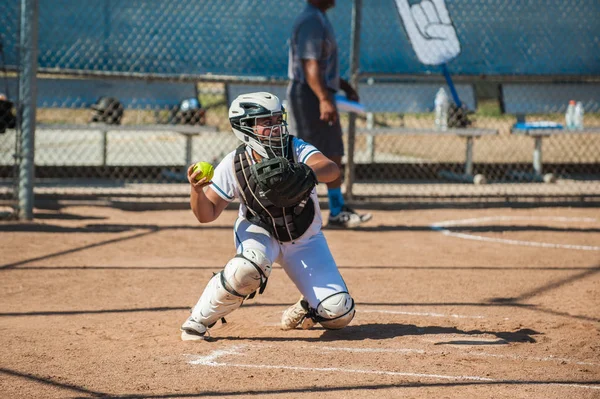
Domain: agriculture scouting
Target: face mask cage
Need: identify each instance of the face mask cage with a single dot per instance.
(273, 139)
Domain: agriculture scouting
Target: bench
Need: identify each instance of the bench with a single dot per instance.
(404, 98)
(399, 98)
(133, 94)
(521, 99)
(151, 95)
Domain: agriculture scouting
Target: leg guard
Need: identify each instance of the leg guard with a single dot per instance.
(226, 290)
(334, 312)
(247, 273)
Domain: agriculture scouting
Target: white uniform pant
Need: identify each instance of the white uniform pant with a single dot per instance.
(308, 262)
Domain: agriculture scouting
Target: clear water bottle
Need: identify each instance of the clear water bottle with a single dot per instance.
(570, 115)
(578, 116)
(441, 109)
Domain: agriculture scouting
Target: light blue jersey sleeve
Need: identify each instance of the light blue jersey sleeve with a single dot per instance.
(303, 150)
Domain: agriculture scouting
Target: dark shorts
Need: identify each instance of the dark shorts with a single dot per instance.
(304, 113)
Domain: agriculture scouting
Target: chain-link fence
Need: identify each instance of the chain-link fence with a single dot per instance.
(130, 92)
(9, 102)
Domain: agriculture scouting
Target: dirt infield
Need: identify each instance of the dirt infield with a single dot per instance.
(451, 303)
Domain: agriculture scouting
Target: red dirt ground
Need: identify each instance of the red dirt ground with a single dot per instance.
(92, 298)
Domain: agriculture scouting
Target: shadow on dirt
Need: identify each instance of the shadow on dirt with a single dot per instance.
(83, 392)
(99, 228)
(392, 330)
(64, 216)
(387, 331)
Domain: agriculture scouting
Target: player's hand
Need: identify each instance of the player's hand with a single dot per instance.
(197, 185)
(328, 111)
(429, 30)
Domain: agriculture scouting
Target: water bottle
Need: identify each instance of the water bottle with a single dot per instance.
(578, 116)
(570, 115)
(441, 109)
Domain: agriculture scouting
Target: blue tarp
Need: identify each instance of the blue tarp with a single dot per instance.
(250, 37)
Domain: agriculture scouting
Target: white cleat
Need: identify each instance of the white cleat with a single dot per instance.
(191, 330)
(295, 315)
(348, 218)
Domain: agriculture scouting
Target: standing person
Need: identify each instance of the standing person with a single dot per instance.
(274, 176)
(314, 75)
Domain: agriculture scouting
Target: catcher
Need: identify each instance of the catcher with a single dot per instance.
(274, 176)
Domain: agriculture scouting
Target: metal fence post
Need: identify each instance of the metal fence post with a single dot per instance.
(27, 96)
(104, 146)
(370, 139)
(354, 70)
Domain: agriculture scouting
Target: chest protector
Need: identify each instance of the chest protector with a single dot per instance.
(285, 224)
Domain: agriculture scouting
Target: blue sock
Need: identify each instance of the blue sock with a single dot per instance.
(336, 200)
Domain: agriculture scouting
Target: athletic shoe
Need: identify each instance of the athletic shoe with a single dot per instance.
(348, 219)
(295, 315)
(191, 330)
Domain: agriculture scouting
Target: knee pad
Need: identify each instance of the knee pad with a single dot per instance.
(247, 273)
(226, 291)
(335, 311)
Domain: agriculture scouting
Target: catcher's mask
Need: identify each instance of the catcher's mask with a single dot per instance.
(269, 137)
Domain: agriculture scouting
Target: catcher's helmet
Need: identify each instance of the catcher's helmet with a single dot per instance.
(244, 111)
(108, 110)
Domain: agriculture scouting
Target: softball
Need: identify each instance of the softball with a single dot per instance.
(549, 178)
(479, 179)
(206, 169)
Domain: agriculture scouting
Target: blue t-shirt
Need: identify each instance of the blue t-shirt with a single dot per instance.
(313, 38)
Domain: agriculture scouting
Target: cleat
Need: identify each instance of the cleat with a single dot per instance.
(191, 330)
(307, 323)
(348, 219)
(295, 315)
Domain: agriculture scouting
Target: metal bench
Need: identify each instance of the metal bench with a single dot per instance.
(134, 95)
(399, 98)
(521, 99)
(405, 98)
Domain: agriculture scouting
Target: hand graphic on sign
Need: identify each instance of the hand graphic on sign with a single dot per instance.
(430, 30)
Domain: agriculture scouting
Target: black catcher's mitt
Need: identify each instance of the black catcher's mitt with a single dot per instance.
(284, 184)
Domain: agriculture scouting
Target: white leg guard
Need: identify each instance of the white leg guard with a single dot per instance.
(335, 312)
(215, 302)
(226, 291)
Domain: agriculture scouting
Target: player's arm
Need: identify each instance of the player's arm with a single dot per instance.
(316, 83)
(206, 205)
(325, 169)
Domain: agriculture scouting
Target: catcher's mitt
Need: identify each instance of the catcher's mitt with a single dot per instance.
(283, 183)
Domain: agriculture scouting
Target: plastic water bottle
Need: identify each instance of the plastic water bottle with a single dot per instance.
(578, 116)
(570, 115)
(441, 109)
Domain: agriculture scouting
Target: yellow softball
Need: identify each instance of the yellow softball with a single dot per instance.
(206, 170)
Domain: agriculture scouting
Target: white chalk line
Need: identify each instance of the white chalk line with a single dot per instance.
(210, 361)
(470, 221)
(480, 354)
(442, 227)
(427, 314)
